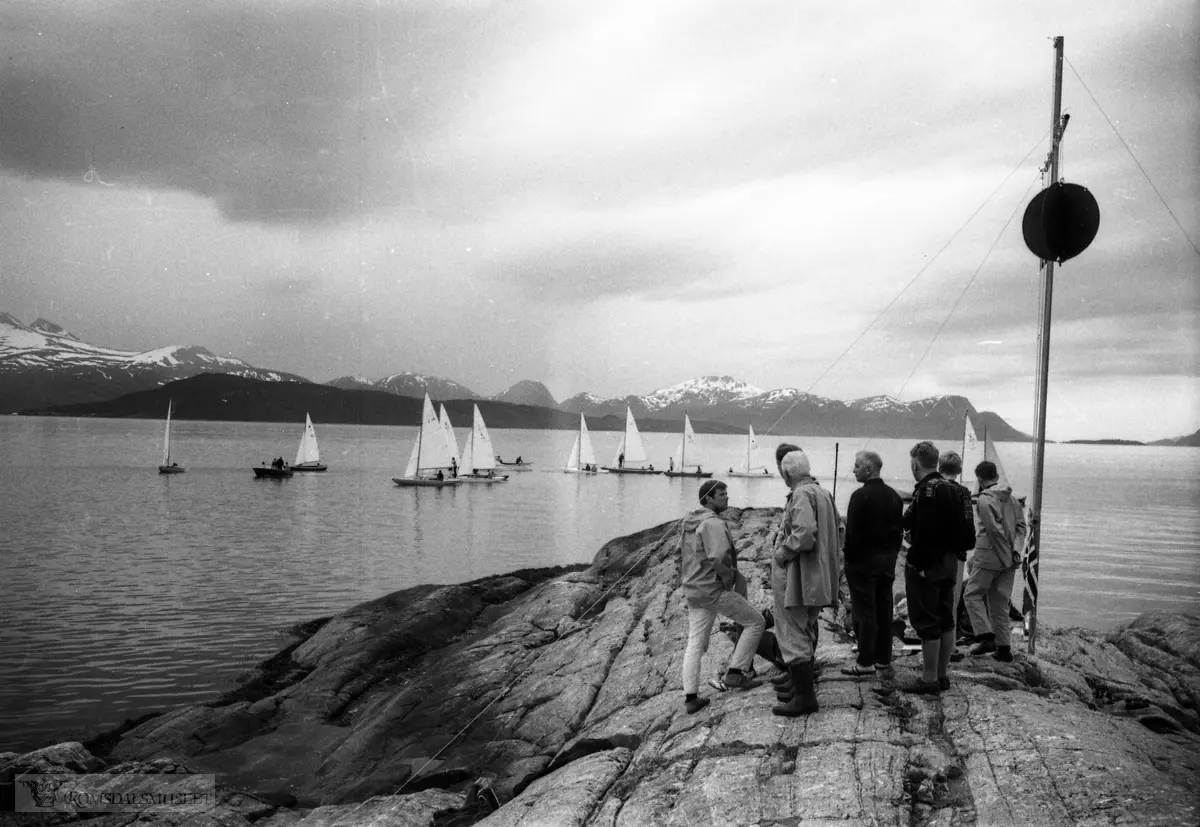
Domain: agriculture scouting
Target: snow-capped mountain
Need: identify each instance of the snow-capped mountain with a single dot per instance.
(528, 392)
(42, 365)
(408, 384)
(699, 393)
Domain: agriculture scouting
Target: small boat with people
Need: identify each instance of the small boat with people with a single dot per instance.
(478, 463)
(518, 464)
(277, 470)
(751, 465)
(630, 457)
(308, 455)
(582, 459)
(687, 455)
(432, 462)
(166, 466)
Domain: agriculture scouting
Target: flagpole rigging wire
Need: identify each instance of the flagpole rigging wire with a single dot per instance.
(1128, 149)
(911, 282)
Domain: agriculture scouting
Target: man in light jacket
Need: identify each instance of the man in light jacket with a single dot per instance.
(999, 538)
(805, 572)
(708, 571)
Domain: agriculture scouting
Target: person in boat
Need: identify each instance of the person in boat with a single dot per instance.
(731, 469)
(519, 462)
(874, 532)
(950, 467)
(453, 467)
(621, 460)
(699, 470)
(670, 465)
(999, 538)
(708, 570)
(929, 569)
(805, 574)
(766, 473)
(440, 476)
(652, 466)
(277, 463)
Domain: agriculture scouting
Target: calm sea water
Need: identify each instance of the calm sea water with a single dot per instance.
(123, 591)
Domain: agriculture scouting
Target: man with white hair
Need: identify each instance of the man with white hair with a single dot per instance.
(805, 572)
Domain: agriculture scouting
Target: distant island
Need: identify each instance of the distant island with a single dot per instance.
(1102, 442)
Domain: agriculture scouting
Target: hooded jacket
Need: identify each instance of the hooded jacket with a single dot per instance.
(1000, 529)
(708, 560)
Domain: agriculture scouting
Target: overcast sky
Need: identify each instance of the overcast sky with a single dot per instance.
(615, 196)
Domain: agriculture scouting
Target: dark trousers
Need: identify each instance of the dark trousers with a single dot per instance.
(871, 613)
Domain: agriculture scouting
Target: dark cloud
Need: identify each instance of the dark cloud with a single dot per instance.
(597, 267)
(280, 113)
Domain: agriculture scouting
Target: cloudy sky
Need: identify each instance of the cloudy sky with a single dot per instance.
(616, 196)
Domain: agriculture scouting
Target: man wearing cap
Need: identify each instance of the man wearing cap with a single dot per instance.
(708, 569)
(930, 568)
(805, 572)
(950, 467)
(1000, 536)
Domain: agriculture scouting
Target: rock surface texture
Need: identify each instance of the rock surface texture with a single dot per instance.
(555, 696)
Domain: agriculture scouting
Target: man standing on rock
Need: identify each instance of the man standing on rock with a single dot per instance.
(932, 521)
(998, 542)
(805, 572)
(950, 467)
(708, 570)
(873, 535)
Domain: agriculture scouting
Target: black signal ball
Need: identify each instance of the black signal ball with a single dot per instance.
(1060, 222)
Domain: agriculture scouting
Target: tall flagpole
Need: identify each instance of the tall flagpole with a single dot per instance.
(1043, 376)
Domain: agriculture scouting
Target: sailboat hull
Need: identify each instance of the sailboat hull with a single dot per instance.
(629, 470)
(272, 473)
(310, 466)
(581, 471)
(510, 466)
(418, 482)
(170, 469)
(703, 475)
(471, 478)
(750, 476)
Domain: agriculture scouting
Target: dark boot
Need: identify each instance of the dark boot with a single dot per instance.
(1003, 653)
(781, 680)
(804, 699)
(987, 644)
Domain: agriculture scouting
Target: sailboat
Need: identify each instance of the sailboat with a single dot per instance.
(431, 456)
(451, 440)
(631, 455)
(308, 456)
(167, 467)
(582, 459)
(751, 465)
(479, 458)
(687, 455)
(975, 451)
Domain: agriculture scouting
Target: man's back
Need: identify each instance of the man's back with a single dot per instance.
(874, 524)
(932, 521)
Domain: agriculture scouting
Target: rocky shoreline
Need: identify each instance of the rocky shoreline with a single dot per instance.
(553, 695)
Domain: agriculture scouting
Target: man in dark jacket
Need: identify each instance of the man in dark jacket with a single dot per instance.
(931, 520)
(708, 572)
(873, 536)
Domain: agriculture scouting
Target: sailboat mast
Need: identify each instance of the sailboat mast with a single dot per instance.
(683, 445)
(420, 434)
(1039, 445)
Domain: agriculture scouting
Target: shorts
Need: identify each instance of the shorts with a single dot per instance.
(930, 604)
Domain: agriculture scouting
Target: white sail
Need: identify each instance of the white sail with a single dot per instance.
(587, 454)
(582, 453)
(485, 454)
(572, 463)
(972, 453)
(687, 452)
(990, 453)
(751, 461)
(631, 443)
(166, 458)
(430, 452)
(467, 464)
(448, 430)
(308, 450)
